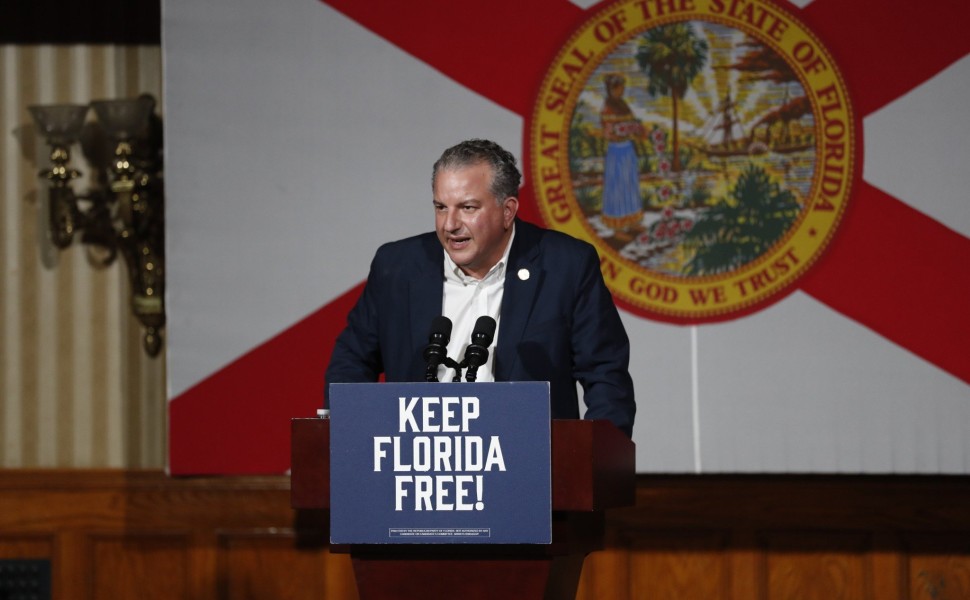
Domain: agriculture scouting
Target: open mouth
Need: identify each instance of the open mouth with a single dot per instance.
(459, 243)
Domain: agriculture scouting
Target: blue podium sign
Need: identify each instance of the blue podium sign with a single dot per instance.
(440, 463)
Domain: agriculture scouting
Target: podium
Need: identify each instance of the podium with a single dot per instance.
(593, 469)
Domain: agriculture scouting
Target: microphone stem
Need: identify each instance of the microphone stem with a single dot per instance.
(450, 362)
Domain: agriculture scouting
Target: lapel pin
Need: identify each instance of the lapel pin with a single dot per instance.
(523, 274)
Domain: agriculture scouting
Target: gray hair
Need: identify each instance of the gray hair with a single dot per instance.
(505, 175)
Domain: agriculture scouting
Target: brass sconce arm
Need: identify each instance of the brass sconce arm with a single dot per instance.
(124, 212)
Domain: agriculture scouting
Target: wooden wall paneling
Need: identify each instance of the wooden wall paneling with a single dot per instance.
(606, 571)
(313, 534)
(120, 534)
(71, 569)
(204, 579)
(747, 565)
(268, 565)
(23, 546)
(685, 564)
(937, 566)
(817, 565)
(887, 566)
(783, 528)
(147, 566)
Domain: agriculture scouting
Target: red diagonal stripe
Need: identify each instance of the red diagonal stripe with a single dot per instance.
(501, 50)
(238, 419)
(892, 268)
(903, 275)
(884, 49)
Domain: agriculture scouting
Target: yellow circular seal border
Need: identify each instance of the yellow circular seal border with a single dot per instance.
(738, 292)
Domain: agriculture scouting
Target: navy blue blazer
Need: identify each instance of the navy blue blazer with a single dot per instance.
(558, 325)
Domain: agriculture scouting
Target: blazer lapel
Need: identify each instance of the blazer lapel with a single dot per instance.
(424, 293)
(523, 276)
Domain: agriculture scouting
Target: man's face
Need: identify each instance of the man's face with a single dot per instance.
(473, 228)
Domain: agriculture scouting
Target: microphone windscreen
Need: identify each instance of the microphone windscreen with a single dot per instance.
(441, 326)
(484, 331)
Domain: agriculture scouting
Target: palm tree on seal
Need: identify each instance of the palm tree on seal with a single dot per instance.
(671, 56)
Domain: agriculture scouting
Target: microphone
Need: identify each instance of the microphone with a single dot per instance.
(477, 352)
(436, 352)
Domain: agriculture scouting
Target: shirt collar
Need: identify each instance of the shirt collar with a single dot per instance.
(454, 274)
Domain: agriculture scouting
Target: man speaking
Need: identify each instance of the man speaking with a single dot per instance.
(485, 276)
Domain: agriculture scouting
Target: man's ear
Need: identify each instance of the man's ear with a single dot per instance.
(509, 209)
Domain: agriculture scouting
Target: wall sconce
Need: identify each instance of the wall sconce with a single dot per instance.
(123, 211)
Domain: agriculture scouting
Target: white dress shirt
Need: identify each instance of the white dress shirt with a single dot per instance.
(465, 300)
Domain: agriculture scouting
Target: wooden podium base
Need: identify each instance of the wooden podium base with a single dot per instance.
(439, 577)
(592, 468)
(501, 571)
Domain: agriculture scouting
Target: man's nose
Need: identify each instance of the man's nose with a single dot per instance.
(452, 220)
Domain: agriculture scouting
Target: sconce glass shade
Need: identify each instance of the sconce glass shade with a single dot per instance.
(60, 124)
(124, 119)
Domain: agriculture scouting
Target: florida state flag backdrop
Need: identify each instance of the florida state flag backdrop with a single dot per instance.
(778, 192)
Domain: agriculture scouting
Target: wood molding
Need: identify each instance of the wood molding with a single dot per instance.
(112, 533)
